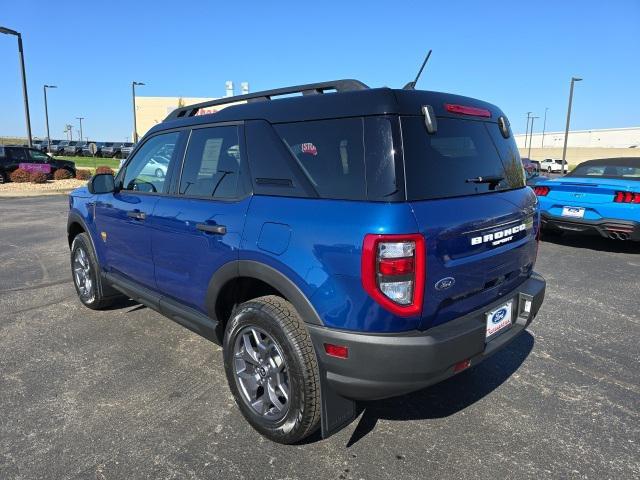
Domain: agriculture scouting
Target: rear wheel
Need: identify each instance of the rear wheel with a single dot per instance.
(272, 369)
(3, 177)
(549, 169)
(159, 173)
(86, 275)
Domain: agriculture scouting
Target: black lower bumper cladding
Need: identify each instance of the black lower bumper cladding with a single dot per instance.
(386, 365)
(607, 227)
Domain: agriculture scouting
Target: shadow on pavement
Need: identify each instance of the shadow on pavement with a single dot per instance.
(450, 396)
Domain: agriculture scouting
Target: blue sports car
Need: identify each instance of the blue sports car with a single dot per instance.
(600, 196)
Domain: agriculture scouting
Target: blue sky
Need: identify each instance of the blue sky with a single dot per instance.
(515, 54)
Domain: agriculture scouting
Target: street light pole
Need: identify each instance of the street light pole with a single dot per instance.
(526, 132)
(544, 125)
(566, 129)
(133, 96)
(531, 137)
(8, 31)
(80, 118)
(46, 115)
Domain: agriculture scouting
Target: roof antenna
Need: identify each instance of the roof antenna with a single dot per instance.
(412, 85)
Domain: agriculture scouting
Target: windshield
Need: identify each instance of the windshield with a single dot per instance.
(463, 157)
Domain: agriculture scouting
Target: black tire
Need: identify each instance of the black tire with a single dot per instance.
(4, 178)
(101, 295)
(549, 169)
(159, 173)
(277, 319)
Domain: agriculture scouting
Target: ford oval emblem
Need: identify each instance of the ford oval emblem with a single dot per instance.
(445, 283)
(499, 315)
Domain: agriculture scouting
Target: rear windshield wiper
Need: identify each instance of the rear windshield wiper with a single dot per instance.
(491, 179)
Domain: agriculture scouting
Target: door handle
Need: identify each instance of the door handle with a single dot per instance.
(136, 215)
(217, 229)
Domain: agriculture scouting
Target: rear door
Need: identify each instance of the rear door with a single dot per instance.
(466, 186)
(198, 228)
(123, 218)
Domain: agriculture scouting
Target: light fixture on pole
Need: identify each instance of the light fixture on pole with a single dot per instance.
(566, 128)
(8, 31)
(46, 115)
(544, 125)
(133, 95)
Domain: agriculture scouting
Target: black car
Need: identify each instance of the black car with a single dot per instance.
(11, 157)
(112, 150)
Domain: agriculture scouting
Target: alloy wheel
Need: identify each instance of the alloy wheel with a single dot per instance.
(82, 275)
(261, 373)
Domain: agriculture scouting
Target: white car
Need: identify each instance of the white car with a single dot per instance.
(553, 166)
(156, 167)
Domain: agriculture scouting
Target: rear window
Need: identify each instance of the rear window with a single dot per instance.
(464, 157)
(609, 171)
(331, 155)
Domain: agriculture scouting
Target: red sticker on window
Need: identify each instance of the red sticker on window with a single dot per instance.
(309, 148)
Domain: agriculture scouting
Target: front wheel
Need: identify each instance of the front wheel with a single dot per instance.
(86, 275)
(3, 177)
(159, 173)
(549, 169)
(272, 369)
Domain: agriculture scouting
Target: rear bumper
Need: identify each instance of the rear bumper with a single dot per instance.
(607, 227)
(381, 366)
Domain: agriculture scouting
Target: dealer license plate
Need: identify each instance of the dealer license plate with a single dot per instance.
(575, 212)
(499, 319)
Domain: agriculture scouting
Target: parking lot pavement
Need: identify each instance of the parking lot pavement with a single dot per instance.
(127, 393)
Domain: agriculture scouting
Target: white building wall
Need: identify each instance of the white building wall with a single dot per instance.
(603, 138)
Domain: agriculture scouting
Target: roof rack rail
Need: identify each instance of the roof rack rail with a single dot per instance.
(347, 85)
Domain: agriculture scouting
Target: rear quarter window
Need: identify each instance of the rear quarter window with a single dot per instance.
(331, 155)
(446, 163)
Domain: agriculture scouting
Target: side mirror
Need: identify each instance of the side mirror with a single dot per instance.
(102, 183)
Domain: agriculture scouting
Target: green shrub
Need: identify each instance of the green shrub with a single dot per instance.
(62, 174)
(20, 176)
(83, 174)
(39, 177)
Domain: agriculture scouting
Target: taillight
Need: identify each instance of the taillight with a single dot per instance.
(464, 110)
(393, 271)
(627, 197)
(541, 191)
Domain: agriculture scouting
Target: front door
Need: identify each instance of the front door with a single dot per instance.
(123, 218)
(199, 227)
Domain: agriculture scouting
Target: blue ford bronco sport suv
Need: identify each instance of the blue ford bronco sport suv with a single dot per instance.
(344, 244)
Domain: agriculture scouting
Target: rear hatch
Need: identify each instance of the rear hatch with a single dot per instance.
(467, 189)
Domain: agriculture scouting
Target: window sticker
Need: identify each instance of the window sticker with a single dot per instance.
(310, 149)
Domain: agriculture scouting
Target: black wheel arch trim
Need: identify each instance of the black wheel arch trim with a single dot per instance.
(267, 274)
(75, 217)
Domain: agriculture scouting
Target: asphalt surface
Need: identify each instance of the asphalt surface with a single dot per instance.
(127, 393)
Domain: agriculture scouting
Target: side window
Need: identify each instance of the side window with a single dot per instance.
(18, 155)
(331, 153)
(147, 170)
(38, 157)
(212, 163)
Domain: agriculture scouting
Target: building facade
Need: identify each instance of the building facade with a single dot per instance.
(602, 138)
